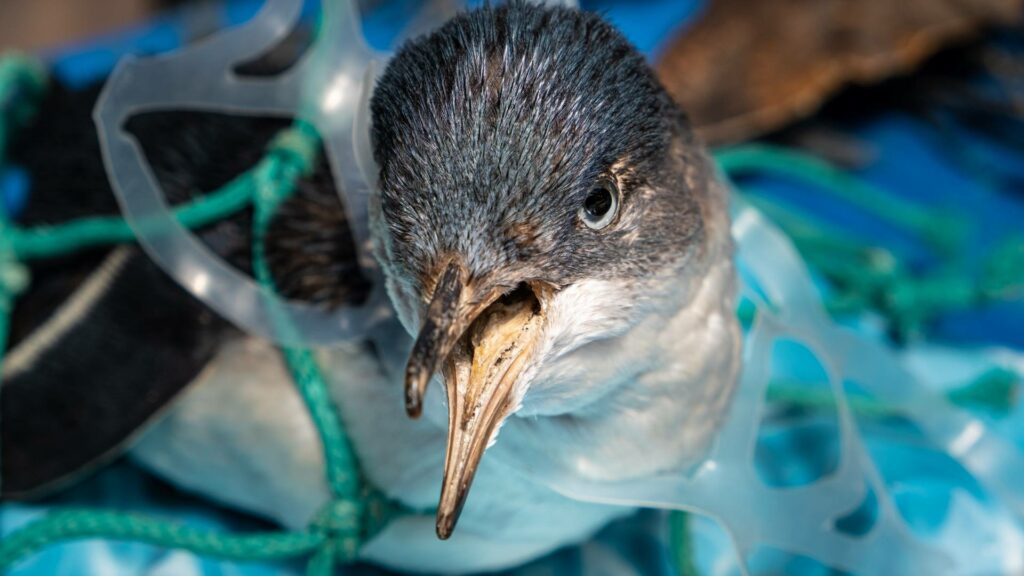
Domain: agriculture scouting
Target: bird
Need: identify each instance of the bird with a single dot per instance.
(556, 248)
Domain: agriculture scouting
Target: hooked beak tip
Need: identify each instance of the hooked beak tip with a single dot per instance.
(413, 394)
(437, 336)
(445, 525)
(413, 409)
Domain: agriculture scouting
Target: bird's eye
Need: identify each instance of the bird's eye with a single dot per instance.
(600, 206)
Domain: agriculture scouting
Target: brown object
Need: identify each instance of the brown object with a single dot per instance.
(45, 24)
(747, 67)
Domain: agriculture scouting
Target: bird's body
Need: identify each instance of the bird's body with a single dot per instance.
(640, 352)
(242, 437)
(550, 229)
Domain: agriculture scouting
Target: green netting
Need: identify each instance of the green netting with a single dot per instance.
(867, 276)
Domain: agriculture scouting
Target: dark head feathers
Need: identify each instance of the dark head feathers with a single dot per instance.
(490, 132)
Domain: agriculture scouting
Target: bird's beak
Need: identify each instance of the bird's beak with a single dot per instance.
(481, 340)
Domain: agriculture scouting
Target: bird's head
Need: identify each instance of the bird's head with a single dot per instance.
(538, 191)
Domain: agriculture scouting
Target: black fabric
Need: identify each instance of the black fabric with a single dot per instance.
(145, 338)
(65, 185)
(133, 351)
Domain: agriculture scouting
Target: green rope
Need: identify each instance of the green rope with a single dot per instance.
(299, 147)
(872, 277)
(994, 390)
(49, 241)
(80, 524)
(866, 276)
(943, 231)
(343, 517)
(681, 543)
